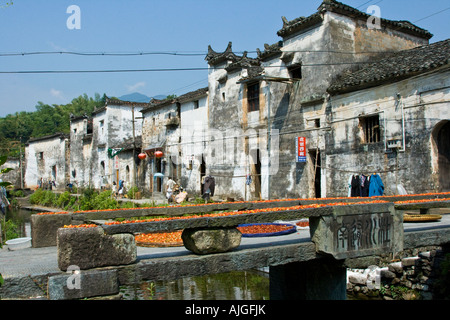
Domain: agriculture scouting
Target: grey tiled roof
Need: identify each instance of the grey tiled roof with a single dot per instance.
(118, 102)
(302, 23)
(270, 50)
(252, 65)
(395, 67)
(193, 95)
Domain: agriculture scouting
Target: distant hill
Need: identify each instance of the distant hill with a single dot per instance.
(139, 97)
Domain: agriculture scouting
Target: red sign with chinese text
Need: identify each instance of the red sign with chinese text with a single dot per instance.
(301, 149)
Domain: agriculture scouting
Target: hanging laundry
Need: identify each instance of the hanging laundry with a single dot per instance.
(356, 186)
(376, 186)
(364, 186)
(349, 186)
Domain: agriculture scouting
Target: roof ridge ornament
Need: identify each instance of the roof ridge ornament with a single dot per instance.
(214, 57)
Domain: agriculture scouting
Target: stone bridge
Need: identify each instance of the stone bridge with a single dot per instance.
(306, 265)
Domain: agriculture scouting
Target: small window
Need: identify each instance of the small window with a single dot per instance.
(41, 156)
(102, 168)
(127, 173)
(371, 129)
(295, 72)
(196, 104)
(316, 123)
(253, 97)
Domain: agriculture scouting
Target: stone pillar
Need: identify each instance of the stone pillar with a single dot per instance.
(320, 279)
(354, 231)
(87, 248)
(44, 228)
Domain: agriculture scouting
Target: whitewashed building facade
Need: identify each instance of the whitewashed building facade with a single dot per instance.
(96, 143)
(47, 160)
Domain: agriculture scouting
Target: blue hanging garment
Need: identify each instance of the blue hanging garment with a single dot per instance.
(376, 187)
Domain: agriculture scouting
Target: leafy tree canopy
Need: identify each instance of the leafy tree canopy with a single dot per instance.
(18, 128)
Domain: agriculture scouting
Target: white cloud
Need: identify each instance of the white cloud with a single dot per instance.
(56, 93)
(136, 86)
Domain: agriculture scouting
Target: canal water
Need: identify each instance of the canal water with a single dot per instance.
(21, 218)
(245, 285)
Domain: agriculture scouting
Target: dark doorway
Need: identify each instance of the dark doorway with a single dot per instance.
(443, 151)
(158, 166)
(202, 172)
(316, 163)
(257, 173)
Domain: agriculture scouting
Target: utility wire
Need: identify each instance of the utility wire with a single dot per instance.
(171, 53)
(119, 54)
(433, 14)
(102, 71)
(165, 69)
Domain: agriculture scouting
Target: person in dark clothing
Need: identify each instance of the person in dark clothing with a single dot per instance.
(208, 187)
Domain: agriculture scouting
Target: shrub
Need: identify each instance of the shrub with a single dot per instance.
(49, 199)
(131, 193)
(63, 199)
(10, 230)
(37, 196)
(17, 193)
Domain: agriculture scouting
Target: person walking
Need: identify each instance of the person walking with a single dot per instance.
(170, 185)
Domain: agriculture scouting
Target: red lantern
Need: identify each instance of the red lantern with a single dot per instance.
(158, 154)
(142, 156)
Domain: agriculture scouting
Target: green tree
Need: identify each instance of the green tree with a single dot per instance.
(46, 120)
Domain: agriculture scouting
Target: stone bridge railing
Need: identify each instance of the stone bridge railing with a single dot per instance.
(338, 232)
(44, 227)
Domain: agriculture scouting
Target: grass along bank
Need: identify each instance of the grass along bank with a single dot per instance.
(88, 199)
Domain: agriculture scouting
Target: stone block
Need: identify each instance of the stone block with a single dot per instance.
(396, 267)
(205, 241)
(410, 261)
(386, 274)
(89, 248)
(83, 284)
(357, 277)
(425, 255)
(44, 228)
(358, 230)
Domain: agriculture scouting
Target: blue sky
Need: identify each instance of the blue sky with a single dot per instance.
(183, 26)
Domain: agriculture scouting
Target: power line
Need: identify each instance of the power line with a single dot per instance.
(171, 53)
(164, 69)
(433, 14)
(119, 54)
(102, 71)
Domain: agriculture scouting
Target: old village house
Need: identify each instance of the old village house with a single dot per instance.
(362, 99)
(176, 128)
(288, 91)
(47, 162)
(100, 145)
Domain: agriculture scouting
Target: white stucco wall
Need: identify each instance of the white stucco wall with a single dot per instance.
(46, 159)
